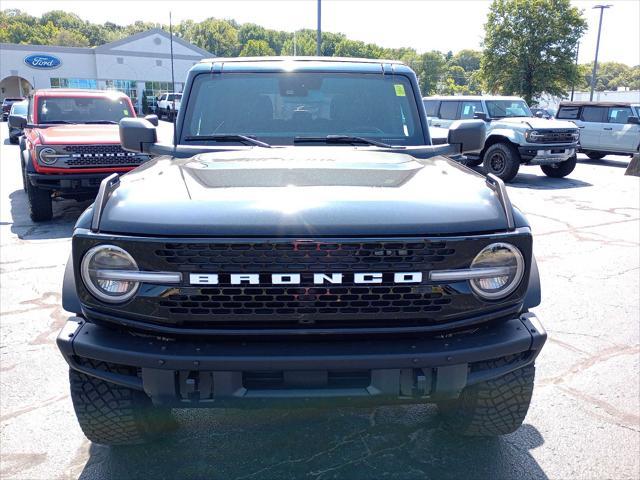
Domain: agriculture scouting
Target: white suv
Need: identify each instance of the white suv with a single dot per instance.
(605, 128)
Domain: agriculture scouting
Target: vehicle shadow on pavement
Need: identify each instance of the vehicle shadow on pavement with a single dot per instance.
(390, 442)
(542, 182)
(607, 163)
(65, 214)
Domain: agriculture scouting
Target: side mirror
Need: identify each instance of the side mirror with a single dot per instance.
(17, 121)
(468, 134)
(633, 120)
(152, 119)
(539, 114)
(137, 134)
(480, 116)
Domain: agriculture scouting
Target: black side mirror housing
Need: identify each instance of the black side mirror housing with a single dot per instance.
(153, 119)
(137, 134)
(468, 134)
(539, 114)
(480, 116)
(17, 121)
(634, 120)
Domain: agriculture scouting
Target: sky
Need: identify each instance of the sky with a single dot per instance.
(422, 24)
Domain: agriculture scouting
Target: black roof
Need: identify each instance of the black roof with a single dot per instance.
(597, 104)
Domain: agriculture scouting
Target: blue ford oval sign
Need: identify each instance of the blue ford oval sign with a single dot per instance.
(42, 60)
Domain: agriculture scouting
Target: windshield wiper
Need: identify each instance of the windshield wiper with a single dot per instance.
(227, 138)
(102, 122)
(56, 122)
(341, 139)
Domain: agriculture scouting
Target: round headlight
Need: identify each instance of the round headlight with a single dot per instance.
(48, 156)
(100, 267)
(505, 268)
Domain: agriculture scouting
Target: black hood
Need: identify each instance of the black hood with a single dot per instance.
(302, 191)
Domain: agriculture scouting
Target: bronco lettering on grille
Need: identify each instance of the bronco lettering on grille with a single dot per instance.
(297, 278)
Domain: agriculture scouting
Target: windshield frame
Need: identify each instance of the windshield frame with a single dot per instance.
(519, 100)
(421, 132)
(40, 99)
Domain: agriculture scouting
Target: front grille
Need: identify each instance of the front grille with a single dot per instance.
(303, 256)
(557, 136)
(100, 155)
(306, 305)
(301, 302)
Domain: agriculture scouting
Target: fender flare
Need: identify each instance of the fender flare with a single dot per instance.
(70, 301)
(533, 296)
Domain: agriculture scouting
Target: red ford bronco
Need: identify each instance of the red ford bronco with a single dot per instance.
(70, 144)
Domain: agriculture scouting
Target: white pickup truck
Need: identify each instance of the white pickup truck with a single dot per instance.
(168, 105)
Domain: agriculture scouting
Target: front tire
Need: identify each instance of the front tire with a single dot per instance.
(111, 414)
(40, 208)
(13, 140)
(595, 155)
(491, 408)
(560, 170)
(503, 160)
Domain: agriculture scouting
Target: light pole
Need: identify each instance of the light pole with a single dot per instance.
(319, 34)
(595, 62)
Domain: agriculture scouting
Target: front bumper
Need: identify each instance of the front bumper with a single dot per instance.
(218, 373)
(546, 154)
(76, 183)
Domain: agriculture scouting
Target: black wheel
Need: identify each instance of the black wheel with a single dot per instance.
(13, 140)
(40, 208)
(562, 169)
(503, 160)
(114, 415)
(595, 155)
(491, 408)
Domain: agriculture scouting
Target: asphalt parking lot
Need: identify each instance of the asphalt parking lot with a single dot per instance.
(584, 421)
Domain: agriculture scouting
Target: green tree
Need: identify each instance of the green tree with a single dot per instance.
(431, 69)
(219, 37)
(469, 60)
(529, 47)
(256, 48)
(70, 38)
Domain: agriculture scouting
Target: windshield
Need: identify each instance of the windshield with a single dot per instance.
(19, 108)
(278, 107)
(508, 108)
(83, 109)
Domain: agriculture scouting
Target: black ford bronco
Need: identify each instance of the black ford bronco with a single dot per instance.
(302, 241)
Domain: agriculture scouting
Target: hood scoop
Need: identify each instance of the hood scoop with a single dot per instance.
(279, 172)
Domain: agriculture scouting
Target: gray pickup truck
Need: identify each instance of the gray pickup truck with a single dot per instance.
(302, 243)
(514, 135)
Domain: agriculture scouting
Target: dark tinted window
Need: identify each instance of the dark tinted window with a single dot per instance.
(469, 108)
(276, 107)
(431, 107)
(82, 109)
(569, 113)
(594, 114)
(449, 110)
(619, 114)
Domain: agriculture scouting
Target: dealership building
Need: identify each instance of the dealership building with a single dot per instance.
(139, 65)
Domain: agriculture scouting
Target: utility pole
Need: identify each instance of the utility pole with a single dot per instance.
(319, 35)
(595, 62)
(573, 84)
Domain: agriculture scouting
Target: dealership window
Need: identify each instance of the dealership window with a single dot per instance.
(84, 83)
(128, 87)
(152, 90)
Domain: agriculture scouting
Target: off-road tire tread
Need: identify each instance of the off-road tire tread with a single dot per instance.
(492, 408)
(40, 204)
(513, 161)
(596, 155)
(111, 414)
(561, 171)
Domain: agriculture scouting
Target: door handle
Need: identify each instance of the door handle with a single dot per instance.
(437, 125)
(580, 127)
(609, 128)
